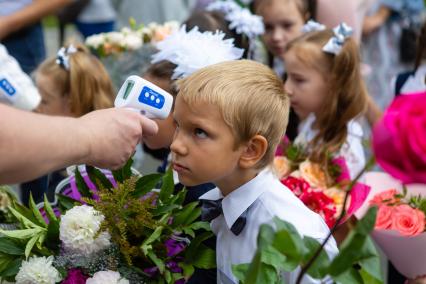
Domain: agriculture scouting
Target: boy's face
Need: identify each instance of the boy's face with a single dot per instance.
(203, 146)
(166, 127)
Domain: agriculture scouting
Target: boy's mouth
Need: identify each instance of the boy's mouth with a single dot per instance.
(179, 168)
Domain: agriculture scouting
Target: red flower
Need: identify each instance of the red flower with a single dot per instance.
(320, 203)
(296, 185)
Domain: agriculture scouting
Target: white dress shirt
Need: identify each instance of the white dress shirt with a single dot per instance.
(265, 197)
(352, 150)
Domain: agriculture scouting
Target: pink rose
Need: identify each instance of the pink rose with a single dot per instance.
(343, 167)
(399, 139)
(387, 196)
(384, 217)
(408, 221)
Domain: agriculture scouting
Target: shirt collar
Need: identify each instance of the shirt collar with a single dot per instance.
(239, 200)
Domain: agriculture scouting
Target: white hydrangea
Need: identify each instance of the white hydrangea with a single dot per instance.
(107, 277)
(38, 270)
(95, 40)
(115, 38)
(78, 229)
(193, 50)
(244, 22)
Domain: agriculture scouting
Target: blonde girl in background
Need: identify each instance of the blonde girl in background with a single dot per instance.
(327, 92)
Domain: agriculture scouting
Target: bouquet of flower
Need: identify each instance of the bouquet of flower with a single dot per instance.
(321, 188)
(129, 51)
(124, 231)
(400, 224)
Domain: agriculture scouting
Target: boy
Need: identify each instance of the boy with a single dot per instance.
(230, 118)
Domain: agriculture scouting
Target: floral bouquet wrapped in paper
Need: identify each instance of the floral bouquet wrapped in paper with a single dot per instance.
(400, 224)
(129, 51)
(321, 188)
(120, 229)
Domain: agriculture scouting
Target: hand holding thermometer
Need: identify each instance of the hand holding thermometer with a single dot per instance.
(140, 94)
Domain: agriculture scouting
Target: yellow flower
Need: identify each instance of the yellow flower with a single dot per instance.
(338, 195)
(313, 174)
(282, 166)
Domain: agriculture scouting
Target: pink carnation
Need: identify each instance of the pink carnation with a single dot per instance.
(408, 221)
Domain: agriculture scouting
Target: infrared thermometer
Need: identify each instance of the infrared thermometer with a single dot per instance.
(140, 94)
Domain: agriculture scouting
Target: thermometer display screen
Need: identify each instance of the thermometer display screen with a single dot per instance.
(129, 88)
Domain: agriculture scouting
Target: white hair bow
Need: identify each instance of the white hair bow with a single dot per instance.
(335, 44)
(312, 26)
(63, 56)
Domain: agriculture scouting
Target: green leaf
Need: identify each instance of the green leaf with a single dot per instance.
(240, 271)
(52, 236)
(36, 212)
(5, 260)
(21, 234)
(271, 256)
(49, 211)
(366, 224)
(96, 175)
(200, 225)
(320, 266)
(265, 236)
(8, 246)
(189, 232)
(368, 278)
(259, 272)
(188, 269)
(167, 187)
(146, 184)
(30, 245)
(184, 214)
(192, 248)
(66, 202)
(82, 187)
(27, 213)
(27, 223)
(12, 269)
(158, 262)
(124, 173)
(204, 258)
(350, 276)
(154, 236)
(372, 265)
(160, 210)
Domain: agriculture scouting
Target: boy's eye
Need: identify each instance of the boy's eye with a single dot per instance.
(287, 25)
(200, 133)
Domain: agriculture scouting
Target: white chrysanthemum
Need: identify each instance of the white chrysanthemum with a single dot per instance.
(107, 277)
(78, 229)
(38, 270)
(95, 40)
(132, 41)
(223, 6)
(244, 22)
(193, 50)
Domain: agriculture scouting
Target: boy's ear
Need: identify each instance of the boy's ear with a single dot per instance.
(254, 152)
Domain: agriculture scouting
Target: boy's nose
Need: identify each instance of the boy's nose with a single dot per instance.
(287, 88)
(177, 146)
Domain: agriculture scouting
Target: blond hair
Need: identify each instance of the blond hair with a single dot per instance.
(347, 95)
(86, 83)
(249, 96)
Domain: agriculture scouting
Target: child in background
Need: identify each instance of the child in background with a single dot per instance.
(284, 20)
(325, 86)
(230, 118)
(72, 84)
(180, 55)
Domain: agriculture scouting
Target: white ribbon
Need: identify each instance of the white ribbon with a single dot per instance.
(63, 56)
(312, 26)
(335, 44)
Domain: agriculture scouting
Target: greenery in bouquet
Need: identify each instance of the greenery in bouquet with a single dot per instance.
(400, 212)
(132, 232)
(7, 196)
(320, 185)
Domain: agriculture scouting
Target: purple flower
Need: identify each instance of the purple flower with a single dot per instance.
(75, 276)
(174, 247)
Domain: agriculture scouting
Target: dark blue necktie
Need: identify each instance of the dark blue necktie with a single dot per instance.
(211, 209)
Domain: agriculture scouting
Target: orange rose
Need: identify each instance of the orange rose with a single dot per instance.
(408, 221)
(387, 196)
(313, 174)
(282, 166)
